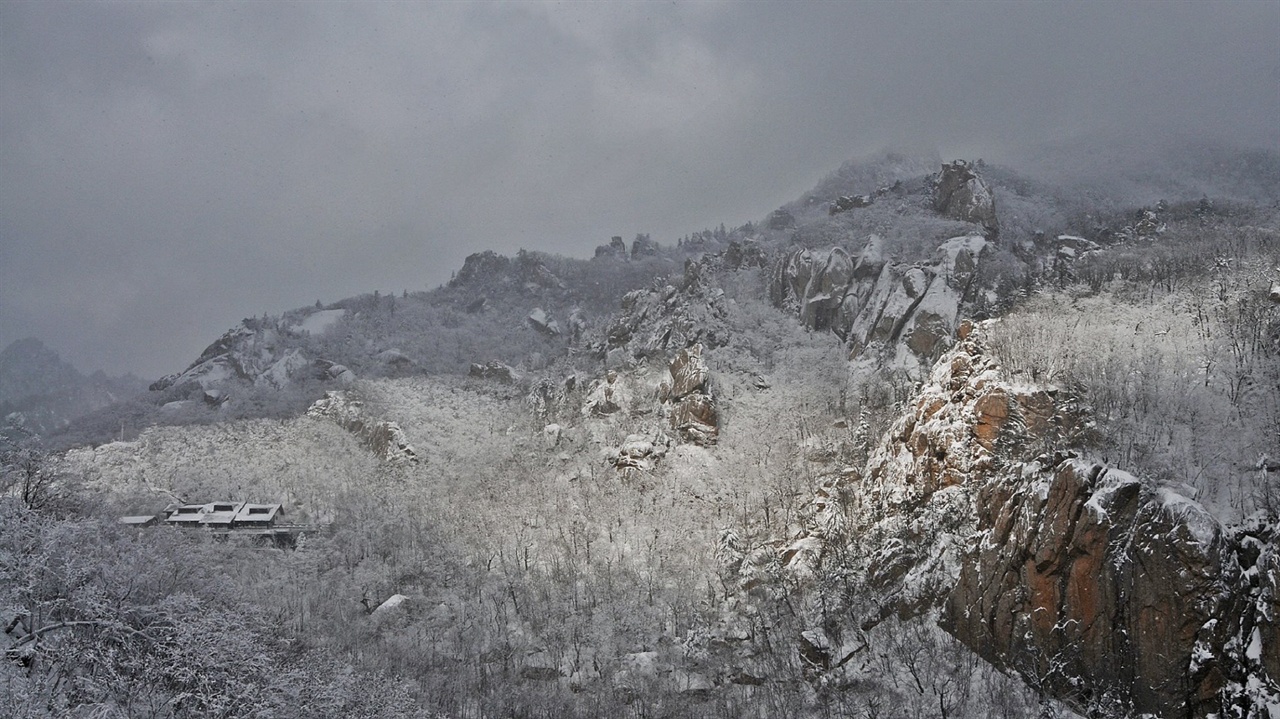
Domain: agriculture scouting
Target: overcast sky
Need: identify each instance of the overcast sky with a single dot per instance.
(168, 169)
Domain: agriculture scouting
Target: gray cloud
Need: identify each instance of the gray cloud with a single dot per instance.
(168, 169)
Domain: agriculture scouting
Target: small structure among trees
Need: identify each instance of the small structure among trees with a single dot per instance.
(225, 519)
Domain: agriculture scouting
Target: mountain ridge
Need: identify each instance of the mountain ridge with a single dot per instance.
(787, 466)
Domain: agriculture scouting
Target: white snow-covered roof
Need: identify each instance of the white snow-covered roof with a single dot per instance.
(258, 513)
(220, 513)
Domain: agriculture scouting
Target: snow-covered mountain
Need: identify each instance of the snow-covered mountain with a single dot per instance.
(933, 440)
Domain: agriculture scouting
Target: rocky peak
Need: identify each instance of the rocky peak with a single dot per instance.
(491, 270)
(42, 393)
(616, 249)
(961, 194)
(28, 367)
(643, 246)
(481, 268)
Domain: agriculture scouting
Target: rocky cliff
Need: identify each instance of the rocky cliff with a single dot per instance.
(906, 312)
(1110, 592)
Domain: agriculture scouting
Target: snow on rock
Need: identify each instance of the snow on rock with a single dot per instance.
(961, 194)
(393, 603)
(319, 321)
(639, 452)
(385, 439)
(395, 360)
(341, 374)
(542, 322)
(910, 311)
(691, 407)
(259, 352)
(1097, 585)
(279, 373)
(653, 322)
(606, 396)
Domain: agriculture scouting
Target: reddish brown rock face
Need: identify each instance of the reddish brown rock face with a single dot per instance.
(1108, 592)
(1104, 592)
(693, 413)
(688, 372)
(992, 410)
(696, 419)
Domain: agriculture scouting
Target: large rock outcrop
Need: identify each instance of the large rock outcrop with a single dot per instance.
(489, 271)
(961, 194)
(384, 438)
(692, 408)
(1119, 596)
(912, 311)
(653, 322)
(1116, 595)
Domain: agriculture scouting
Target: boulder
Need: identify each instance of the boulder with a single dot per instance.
(394, 603)
(638, 452)
(543, 323)
(395, 360)
(340, 374)
(551, 435)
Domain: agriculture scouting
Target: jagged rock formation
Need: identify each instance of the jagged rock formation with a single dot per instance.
(383, 438)
(692, 407)
(868, 301)
(1103, 590)
(264, 353)
(654, 321)
(605, 396)
(490, 270)
(616, 249)
(41, 393)
(643, 246)
(961, 194)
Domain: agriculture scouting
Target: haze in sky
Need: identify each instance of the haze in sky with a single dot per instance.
(168, 169)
